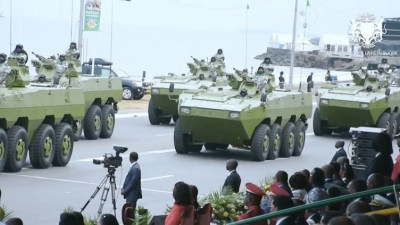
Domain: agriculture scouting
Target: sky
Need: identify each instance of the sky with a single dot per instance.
(159, 36)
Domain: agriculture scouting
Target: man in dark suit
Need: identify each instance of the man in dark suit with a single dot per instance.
(233, 180)
(132, 190)
(340, 150)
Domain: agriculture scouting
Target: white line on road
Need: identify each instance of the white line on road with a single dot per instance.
(309, 134)
(162, 135)
(130, 115)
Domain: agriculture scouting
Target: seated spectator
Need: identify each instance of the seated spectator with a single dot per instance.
(78, 217)
(252, 201)
(329, 171)
(317, 178)
(340, 220)
(336, 174)
(307, 174)
(383, 162)
(281, 202)
(361, 219)
(182, 204)
(274, 191)
(281, 179)
(357, 207)
(332, 193)
(378, 201)
(346, 170)
(298, 183)
(314, 215)
(381, 219)
(66, 218)
(107, 219)
(14, 221)
(300, 217)
(329, 215)
(193, 196)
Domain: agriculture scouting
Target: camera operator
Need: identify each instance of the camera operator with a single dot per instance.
(132, 190)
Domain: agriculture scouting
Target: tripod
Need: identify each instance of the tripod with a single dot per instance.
(106, 187)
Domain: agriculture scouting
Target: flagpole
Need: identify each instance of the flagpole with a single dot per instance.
(245, 62)
(11, 25)
(80, 35)
(293, 48)
(111, 32)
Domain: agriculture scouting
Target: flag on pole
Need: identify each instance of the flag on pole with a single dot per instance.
(248, 7)
(92, 15)
(308, 3)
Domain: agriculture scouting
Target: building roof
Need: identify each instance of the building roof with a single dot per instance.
(334, 39)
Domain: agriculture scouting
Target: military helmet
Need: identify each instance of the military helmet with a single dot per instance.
(213, 59)
(19, 46)
(3, 57)
(72, 45)
(260, 69)
(384, 60)
(267, 60)
(61, 58)
(220, 51)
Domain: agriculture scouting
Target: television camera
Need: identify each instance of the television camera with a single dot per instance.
(110, 160)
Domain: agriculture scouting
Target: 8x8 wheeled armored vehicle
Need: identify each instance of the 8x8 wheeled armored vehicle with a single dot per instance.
(163, 105)
(38, 118)
(251, 116)
(373, 100)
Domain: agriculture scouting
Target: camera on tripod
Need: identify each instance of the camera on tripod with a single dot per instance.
(110, 160)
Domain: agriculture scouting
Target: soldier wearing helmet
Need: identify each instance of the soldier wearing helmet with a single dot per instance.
(384, 65)
(73, 51)
(20, 54)
(4, 68)
(61, 65)
(219, 56)
(266, 63)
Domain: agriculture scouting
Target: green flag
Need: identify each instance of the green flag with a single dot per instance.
(248, 7)
(92, 15)
(308, 3)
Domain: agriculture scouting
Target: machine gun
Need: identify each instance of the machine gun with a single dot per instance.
(198, 62)
(42, 58)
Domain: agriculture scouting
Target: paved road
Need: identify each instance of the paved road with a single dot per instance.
(39, 196)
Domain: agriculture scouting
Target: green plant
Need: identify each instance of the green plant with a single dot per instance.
(264, 184)
(142, 216)
(4, 213)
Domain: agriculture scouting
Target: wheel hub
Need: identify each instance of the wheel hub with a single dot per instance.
(20, 149)
(48, 146)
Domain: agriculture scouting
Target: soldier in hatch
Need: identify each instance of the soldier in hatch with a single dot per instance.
(73, 51)
(20, 54)
(220, 55)
(4, 68)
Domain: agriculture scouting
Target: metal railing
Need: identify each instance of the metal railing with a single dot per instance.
(318, 204)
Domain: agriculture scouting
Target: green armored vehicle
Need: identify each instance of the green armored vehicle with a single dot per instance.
(163, 103)
(252, 115)
(101, 94)
(36, 118)
(373, 99)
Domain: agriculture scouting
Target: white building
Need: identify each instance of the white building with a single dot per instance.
(339, 46)
(284, 41)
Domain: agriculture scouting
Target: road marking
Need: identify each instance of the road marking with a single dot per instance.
(309, 134)
(162, 135)
(130, 115)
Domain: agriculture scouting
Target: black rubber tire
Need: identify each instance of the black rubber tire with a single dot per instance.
(317, 124)
(299, 138)
(64, 144)
(77, 128)
(181, 141)
(195, 148)
(42, 148)
(165, 120)
(275, 141)
(127, 93)
(394, 126)
(17, 149)
(384, 122)
(288, 140)
(154, 114)
(211, 146)
(175, 118)
(138, 96)
(93, 123)
(3, 148)
(107, 120)
(260, 143)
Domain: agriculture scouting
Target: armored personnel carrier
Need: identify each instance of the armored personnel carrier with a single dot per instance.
(163, 103)
(101, 95)
(252, 115)
(36, 118)
(372, 100)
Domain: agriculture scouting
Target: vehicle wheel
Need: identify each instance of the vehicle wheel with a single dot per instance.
(154, 114)
(165, 120)
(64, 144)
(211, 146)
(318, 124)
(275, 141)
(260, 143)
(299, 138)
(77, 129)
(181, 140)
(195, 148)
(107, 120)
(175, 118)
(384, 122)
(92, 123)
(288, 140)
(41, 150)
(138, 96)
(393, 121)
(17, 149)
(127, 93)
(3, 148)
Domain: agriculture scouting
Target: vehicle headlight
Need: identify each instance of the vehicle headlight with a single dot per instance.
(324, 102)
(155, 90)
(364, 105)
(185, 110)
(234, 115)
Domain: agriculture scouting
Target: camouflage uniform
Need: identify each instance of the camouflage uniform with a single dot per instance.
(22, 58)
(4, 70)
(72, 51)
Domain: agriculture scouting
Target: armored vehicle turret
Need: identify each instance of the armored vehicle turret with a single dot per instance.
(37, 119)
(163, 103)
(252, 115)
(373, 100)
